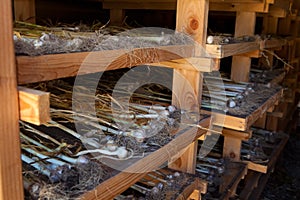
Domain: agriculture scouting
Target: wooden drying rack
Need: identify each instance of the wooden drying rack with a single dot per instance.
(192, 18)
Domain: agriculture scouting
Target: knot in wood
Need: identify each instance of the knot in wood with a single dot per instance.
(194, 24)
(232, 155)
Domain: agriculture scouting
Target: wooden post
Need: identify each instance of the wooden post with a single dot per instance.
(116, 16)
(24, 10)
(11, 186)
(192, 18)
(244, 25)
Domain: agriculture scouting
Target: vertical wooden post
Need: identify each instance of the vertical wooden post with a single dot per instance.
(11, 186)
(244, 25)
(192, 18)
(24, 10)
(116, 16)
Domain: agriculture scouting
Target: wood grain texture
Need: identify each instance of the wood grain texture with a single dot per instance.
(190, 64)
(34, 105)
(245, 135)
(259, 7)
(24, 10)
(113, 186)
(116, 16)
(232, 148)
(226, 50)
(11, 185)
(192, 18)
(244, 25)
(239, 123)
(48, 67)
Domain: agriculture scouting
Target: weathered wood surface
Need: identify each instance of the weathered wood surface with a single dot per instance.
(240, 123)
(244, 25)
(272, 157)
(34, 105)
(192, 19)
(226, 50)
(24, 10)
(11, 184)
(113, 186)
(48, 67)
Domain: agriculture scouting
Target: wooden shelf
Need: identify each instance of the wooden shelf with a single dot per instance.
(243, 123)
(272, 43)
(234, 172)
(47, 67)
(139, 167)
(226, 50)
(186, 184)
(276, 150)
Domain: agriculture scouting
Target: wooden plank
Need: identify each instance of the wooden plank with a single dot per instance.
(273, 157)
(277, 11)
(245, 135)
(24, 10)
(116, 16)
(34, 105)
(259, 7)
(48, 67)
(272, 43)
(148, 4)
(232, 148)
(243, 124)
(244, 25)
(226, 50)
(190, 64)
(192, 19)
(11, 185)
(113, 186)
(234, 172)
(261, 122)
(252, 180)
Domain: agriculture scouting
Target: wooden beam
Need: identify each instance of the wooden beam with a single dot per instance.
(245, 25)
(48, 67)
(232, 148)
(116, 16)
(237, 7)
(192, 18)
(11, 185)
(24, 10)
(34, 105)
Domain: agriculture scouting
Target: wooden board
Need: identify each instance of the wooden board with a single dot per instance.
(272, 43)
(273, 157)
(226, 50)
(11, 184)
(113, 186)
(24, 10)
(192, 19)
(190, 64)
(239, 123)
(34, 106)
(48, 67)
(244, 25)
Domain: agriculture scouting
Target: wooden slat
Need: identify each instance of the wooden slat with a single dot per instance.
(221, 51)
(24, 10)
(113, 186)
(244, 25)
(232, 148)
(252, 180)
(116, 16)
(11, 185)
(48, 67)
(273, 156)
(242, 124)
(190, 64)
(192, 19)
(259, 7)
(245, 135)
(272, 43)
(34, 106)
